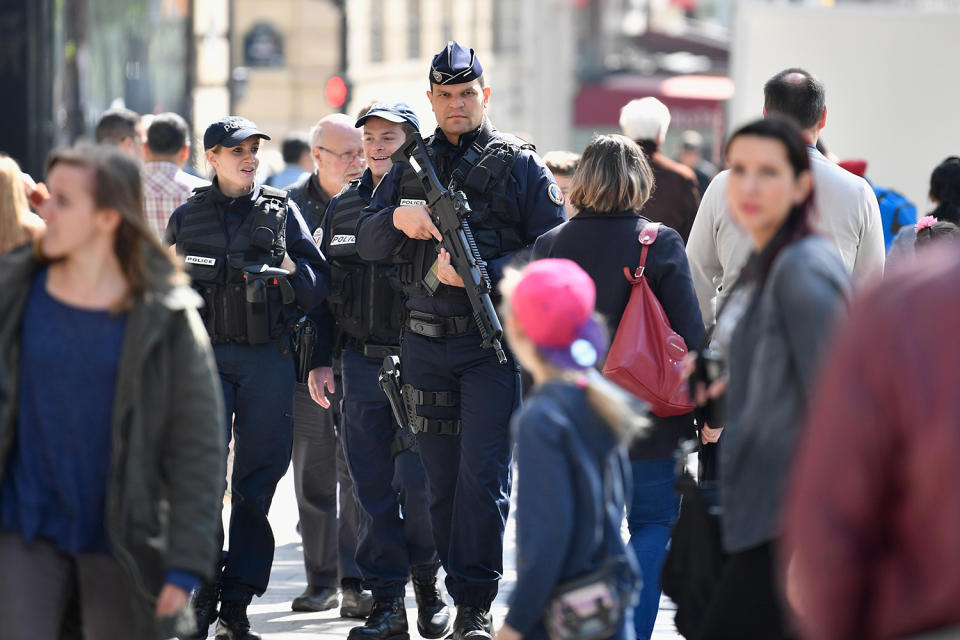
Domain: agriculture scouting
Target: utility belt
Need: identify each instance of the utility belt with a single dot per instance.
(256, 311)
(370, 350)
(434, 326)
(405, 401)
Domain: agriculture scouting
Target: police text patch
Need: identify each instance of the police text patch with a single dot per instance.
(409, 202)
(204, 260)
(342, 239)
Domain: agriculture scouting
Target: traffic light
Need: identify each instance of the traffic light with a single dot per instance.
(335, 92)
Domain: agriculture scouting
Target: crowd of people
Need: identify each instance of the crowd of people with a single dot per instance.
(329, 315)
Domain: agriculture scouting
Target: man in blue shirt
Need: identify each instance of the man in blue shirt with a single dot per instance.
(459, 397)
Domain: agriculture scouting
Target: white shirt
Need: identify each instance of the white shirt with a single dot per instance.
(844, 210)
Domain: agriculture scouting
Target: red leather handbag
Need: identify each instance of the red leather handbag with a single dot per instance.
(646, 357)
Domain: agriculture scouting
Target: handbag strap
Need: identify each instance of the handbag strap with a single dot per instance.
(648, 236)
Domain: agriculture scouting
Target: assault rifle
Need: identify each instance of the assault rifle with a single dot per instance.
(451, 212)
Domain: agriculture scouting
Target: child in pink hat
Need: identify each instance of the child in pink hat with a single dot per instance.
(571, 453)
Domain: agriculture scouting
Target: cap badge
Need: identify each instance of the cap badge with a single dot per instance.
(436, 76)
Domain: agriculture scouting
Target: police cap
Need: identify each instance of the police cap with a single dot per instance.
(230, 131)
(455, 65)
(398, 112)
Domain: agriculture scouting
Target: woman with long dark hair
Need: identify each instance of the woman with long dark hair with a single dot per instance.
(770, 332)
(111, 445)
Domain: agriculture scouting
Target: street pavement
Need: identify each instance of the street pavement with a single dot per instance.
(271, 616)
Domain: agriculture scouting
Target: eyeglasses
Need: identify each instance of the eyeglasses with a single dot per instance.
(346, 156)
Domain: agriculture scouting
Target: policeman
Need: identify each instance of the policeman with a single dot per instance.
(320, 474)
(460, 395)
(384, 463)
(257, 267)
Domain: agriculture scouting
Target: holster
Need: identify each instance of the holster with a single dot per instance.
(304, 340)
(389, 380)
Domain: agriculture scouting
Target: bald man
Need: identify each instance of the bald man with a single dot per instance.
(319, 467)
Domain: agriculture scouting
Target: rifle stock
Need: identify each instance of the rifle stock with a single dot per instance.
(450, 211)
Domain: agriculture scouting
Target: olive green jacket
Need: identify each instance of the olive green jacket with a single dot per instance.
(168, 452)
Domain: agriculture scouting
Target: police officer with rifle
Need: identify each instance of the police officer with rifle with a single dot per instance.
(252, 259)
(460, 382)
(388, 477)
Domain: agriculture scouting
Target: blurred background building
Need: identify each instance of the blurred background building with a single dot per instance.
(559, 69)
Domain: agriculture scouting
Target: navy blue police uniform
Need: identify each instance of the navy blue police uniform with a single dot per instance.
(459, 396)
(329, 514)
(219, 237)
(391, 485)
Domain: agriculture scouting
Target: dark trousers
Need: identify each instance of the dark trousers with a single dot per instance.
(320, 477)
(397, 538)
(38, 582)
(469, 474)
(746, 603)
(257, 392)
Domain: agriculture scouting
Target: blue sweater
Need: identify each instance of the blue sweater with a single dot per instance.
(56, 483)
(563, 447)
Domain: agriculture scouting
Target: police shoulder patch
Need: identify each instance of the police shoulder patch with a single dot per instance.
(318, 236)
(556, 196)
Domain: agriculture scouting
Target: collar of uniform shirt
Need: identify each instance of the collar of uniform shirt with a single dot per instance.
(440, 139)
(219, 196)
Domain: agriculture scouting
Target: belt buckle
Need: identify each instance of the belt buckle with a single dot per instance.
(426, 328)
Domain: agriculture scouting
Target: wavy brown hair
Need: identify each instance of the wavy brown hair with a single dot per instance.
(116, 185)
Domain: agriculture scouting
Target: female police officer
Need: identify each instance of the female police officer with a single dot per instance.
(253, 260)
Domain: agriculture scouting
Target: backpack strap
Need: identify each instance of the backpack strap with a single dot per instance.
(648, 236)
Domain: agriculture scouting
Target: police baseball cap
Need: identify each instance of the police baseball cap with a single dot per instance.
(398, 112)
(455, 65)
(230, 131)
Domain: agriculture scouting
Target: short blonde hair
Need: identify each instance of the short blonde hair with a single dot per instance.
(613, 175)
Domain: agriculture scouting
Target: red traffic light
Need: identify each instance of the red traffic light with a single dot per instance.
(335, 92)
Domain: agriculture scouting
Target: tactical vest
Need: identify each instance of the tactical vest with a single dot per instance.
(216, 264)
(364, 296)
(495, 214)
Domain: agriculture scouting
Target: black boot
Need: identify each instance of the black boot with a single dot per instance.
(204, 602)
(387, 621)
(356, 602)
(433, 616)
(472, 623)
(233, 623)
